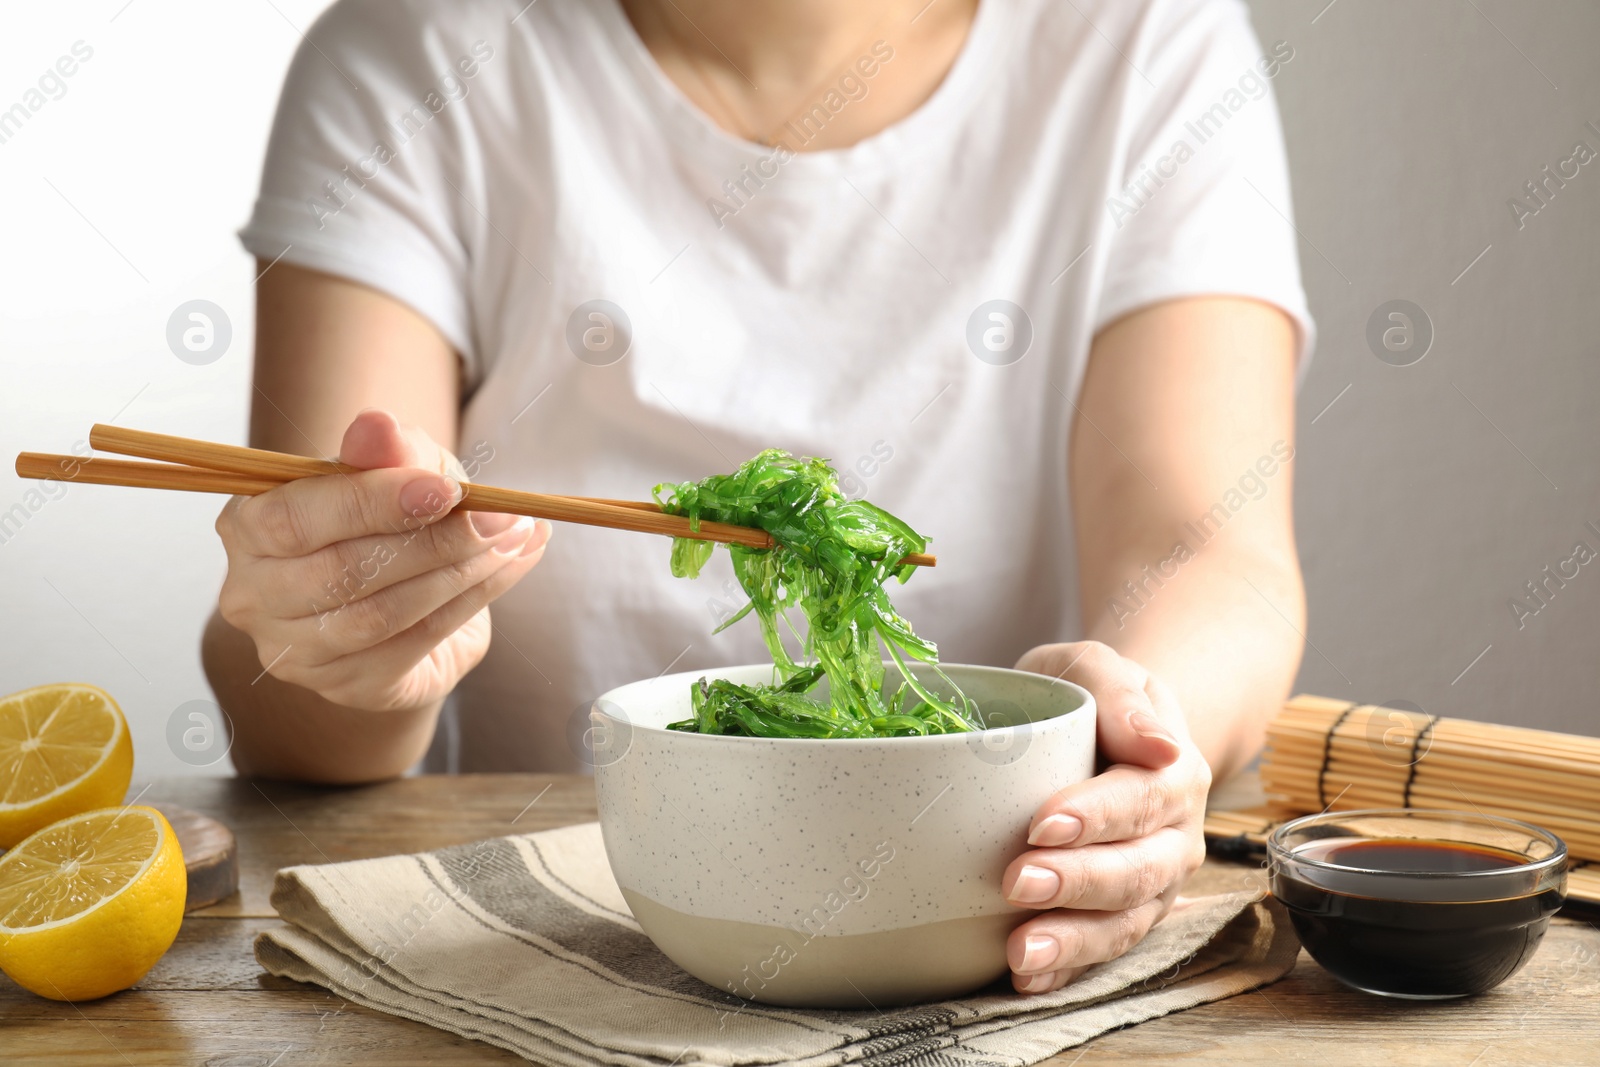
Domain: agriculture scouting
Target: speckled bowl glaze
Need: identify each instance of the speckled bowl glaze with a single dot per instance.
(832, 873)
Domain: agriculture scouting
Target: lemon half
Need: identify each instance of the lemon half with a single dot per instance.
(90, 903)
(63, 749)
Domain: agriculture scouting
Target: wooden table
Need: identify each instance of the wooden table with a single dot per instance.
(209, 1003)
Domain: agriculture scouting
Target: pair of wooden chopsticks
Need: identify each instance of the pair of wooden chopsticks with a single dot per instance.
(208, 467)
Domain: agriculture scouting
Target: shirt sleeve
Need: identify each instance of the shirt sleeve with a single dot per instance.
(1202, 203)
(364, 167)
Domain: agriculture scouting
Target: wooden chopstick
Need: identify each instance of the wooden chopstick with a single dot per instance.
(278, 466)
(210, 467)
(282, 467)
(474, 498)
(48, 466)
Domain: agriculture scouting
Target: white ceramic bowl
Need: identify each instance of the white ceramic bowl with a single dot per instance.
(832, 873)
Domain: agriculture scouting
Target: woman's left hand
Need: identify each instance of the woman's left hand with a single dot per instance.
(1111, 853)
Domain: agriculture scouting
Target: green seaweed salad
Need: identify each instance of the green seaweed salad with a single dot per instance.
(833, 557)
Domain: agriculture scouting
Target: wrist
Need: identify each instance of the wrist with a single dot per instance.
(281, 730)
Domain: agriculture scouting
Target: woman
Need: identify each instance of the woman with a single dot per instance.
(1021, 268)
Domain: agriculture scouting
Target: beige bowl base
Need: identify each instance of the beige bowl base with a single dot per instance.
(779, 965)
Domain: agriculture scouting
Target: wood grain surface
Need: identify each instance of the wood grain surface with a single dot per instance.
(207, 1002)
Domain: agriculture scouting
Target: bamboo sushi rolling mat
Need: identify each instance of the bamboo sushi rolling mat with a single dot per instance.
(1335, 755)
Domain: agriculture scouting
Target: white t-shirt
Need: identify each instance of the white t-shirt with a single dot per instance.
(918, 307)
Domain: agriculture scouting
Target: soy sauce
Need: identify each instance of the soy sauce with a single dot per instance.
(1421, 947)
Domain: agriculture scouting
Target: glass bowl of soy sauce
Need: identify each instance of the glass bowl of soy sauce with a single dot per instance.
(1422, 905)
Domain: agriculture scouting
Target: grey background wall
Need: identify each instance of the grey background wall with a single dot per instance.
(1428, 494)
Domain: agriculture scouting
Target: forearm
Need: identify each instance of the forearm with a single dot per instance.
(282, 730)
(1223, 632)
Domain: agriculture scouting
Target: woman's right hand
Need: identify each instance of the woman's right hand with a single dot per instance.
(365, 588)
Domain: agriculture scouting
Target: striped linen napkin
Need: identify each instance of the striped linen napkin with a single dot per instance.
(525, 942)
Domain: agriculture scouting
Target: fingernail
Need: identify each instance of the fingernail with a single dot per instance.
(490, 523)
(540, 537)
(430, 495)
(1146, 725)
(1036, 983)
(514, 541)
(1035, 885)
(1056, 830)
(1039, 953)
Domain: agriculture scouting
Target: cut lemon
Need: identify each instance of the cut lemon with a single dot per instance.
(89, 904)
(63, 749)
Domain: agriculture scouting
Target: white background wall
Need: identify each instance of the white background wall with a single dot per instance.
(121, 199)
(1428, 495)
